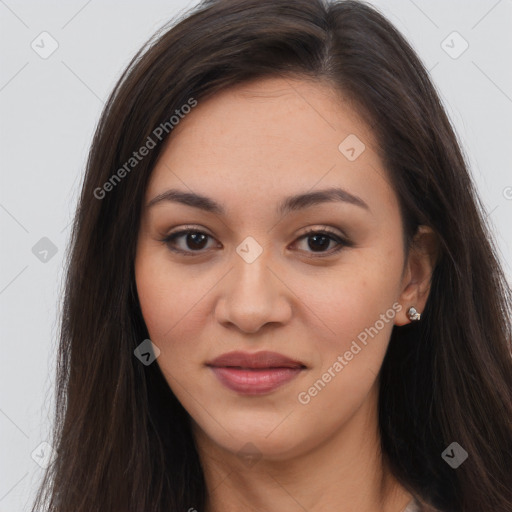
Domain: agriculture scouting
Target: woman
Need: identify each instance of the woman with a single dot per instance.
(282, 294)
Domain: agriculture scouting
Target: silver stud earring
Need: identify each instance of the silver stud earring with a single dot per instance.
(413, 314)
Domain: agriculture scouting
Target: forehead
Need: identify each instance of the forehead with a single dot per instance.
(266, 136)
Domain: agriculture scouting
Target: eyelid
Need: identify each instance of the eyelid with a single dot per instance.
(183, 230)
(341, 239)
(323, 229)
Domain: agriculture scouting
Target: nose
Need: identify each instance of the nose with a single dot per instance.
(253, 295)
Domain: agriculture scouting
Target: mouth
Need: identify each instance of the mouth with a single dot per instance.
(255, 374)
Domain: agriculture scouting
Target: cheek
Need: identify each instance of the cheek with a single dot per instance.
(174, 306)
(361, 314)
(359, 307)
(164, 296)
(158, 309)
(354, 298)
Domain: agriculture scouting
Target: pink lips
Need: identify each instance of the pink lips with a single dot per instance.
(254, 374)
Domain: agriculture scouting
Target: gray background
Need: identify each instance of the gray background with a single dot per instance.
(48, 111)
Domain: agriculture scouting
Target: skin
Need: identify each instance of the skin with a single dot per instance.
(248, 148)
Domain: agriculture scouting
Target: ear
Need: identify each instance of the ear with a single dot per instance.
(419, 268)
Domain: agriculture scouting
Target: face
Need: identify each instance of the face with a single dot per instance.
(262, 265)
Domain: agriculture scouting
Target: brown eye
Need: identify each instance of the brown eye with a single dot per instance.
(192, 241)
(320, 241)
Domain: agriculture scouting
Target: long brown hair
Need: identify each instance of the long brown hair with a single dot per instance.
(122, 439)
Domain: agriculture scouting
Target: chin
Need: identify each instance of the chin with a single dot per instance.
(253, 437)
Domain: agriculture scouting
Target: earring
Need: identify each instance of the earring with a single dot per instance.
(413, 314)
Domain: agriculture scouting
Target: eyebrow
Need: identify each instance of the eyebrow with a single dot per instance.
(289, 204)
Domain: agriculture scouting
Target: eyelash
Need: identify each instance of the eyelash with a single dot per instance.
(342, 242)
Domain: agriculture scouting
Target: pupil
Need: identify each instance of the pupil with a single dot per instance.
(324, 244)
(194, 241)
(197, 241)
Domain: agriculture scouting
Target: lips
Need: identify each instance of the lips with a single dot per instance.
(254, 374)
(255, 360)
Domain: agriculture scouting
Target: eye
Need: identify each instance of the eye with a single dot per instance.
(195, 241)
(318, 240)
